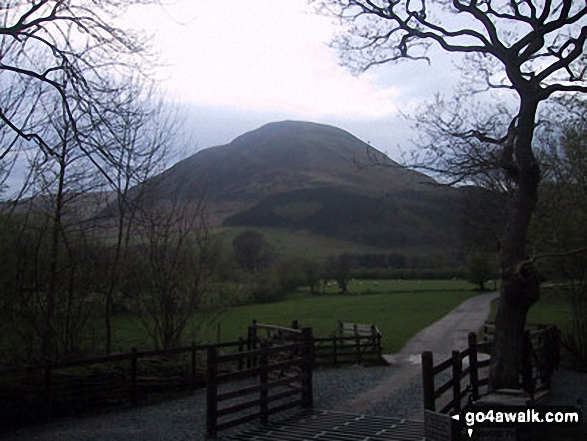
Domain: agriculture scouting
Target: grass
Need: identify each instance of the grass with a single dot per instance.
(552, 308)
(399, 309)
(288, 243)
(298, 244)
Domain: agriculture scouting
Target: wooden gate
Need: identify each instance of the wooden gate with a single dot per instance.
(278, 377)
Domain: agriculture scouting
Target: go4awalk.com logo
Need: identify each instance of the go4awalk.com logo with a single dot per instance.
(499, 417)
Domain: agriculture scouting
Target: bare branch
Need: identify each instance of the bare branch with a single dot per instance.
(27, 136)
(69, 49)
(560, 254)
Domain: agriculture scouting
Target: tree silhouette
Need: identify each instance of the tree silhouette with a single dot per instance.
(68, 50)
(532, 49)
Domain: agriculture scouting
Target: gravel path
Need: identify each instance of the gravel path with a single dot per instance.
(393, 390)
(400, 394)
(185, 419)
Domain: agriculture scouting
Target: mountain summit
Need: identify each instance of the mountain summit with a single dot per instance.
(282, 157)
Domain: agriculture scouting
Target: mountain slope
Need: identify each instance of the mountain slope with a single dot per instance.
(399, 219)
(283, 157)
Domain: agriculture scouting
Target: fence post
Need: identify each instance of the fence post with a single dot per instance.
(334, 350)
(379, 346)
(548, 354)
(358, 347)
(254, 340)
(457, 369)
(527, 364)
(133, 378)
(249, 345)
(48, 395)
(241, 345)
(428, 380)
(557, 335)
(253, 329)
(264, 379)
(473, 366)
(212, 392)
(252, 343)
(308, 363)
(193, 366)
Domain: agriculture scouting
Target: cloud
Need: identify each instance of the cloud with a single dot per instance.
(260, 55)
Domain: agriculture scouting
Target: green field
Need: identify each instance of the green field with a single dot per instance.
(399, 309)
(399, 316)
(552, 308)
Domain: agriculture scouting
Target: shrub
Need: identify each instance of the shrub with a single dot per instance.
(480, 270)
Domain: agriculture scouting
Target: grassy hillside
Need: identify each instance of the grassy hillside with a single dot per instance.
(292, 244)
(405, 218)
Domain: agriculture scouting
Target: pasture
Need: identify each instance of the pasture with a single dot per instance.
(553, 308)
(399, 309)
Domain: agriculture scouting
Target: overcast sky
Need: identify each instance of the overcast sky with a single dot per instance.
(235, 65)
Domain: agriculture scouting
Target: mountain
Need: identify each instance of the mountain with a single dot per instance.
(314, 177)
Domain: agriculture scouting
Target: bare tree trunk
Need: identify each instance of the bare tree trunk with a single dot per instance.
(49, 335)
(113, 282)
(520, 279)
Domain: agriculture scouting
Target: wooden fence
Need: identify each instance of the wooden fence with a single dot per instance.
(277, 377)
(541, 358)
(41, 392)
(343, 350)
(455, 373)
(350, 343)
(541, 355)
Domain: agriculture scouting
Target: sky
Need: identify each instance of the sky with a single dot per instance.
(232, 66)
(235, 65)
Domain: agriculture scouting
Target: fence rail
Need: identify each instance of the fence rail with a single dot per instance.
(342, 350)
(541, 357)
(54, 389)
(350, 343)
(281, 373)
(44, 391)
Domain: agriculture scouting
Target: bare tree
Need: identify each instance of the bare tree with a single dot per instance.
(51, 281)
(64, 50)
(139, 141)
(559, 227)
(68, 183)
(339, 268)
(529, 49)
(177, 254)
